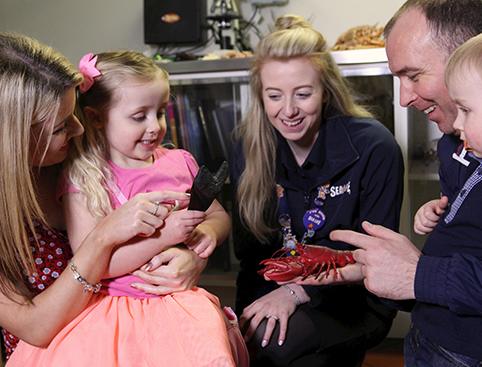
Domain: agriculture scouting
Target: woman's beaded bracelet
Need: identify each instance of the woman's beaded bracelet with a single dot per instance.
(88, 287)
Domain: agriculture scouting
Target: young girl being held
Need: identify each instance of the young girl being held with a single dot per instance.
(122, 102)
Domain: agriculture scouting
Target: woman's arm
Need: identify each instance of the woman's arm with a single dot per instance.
(61, 302)
(38, 322)
(137, 251)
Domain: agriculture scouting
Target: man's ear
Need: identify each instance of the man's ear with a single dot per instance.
(94, 116)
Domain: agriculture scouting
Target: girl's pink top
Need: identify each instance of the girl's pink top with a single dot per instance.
(172, 170)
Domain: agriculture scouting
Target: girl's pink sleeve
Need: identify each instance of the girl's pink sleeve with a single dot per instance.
(65, 186)
(191, 163)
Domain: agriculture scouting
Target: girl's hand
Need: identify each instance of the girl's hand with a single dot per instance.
(181, 224)
(276, 306)
(203, 241)
(429, 214)
(174, 270)
(142, 215)
(212, 232)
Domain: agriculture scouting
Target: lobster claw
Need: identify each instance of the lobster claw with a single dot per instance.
(281, 269)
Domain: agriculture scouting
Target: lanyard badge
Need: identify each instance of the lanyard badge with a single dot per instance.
(313, 219)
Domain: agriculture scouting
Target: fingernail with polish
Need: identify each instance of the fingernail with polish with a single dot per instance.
(264, 343)
(280, 342)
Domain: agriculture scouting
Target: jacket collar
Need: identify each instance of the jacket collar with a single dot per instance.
(332, 152)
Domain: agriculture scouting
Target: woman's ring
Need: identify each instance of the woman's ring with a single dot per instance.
(272, 317)
(158, 204)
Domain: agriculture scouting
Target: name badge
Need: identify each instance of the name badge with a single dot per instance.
(314, 219)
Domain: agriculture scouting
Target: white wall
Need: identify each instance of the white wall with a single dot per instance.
(77, 26)
(333, 17)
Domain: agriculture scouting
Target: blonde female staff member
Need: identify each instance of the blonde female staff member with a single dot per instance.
(306, 147)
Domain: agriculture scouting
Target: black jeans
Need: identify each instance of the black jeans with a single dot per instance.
(317, 339)
(419, 351)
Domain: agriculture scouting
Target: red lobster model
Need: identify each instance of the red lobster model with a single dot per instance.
(304, 261)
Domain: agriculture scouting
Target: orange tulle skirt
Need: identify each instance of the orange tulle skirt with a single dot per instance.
(182, 329)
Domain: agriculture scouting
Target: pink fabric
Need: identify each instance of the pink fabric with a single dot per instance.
(181, 329)
(88, 70)
(238, 346)
(173, 170)
(121, 286)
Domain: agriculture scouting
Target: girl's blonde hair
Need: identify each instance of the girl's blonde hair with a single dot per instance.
(466, 58)
(33, 80)
(293, 37)
(87, 166)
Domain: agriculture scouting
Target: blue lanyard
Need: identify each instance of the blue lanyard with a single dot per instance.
(313, 219)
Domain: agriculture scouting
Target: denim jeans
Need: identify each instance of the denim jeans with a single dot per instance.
(421, 352)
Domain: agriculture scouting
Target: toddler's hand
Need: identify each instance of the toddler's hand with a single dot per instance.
(429, 214)
(203, 241)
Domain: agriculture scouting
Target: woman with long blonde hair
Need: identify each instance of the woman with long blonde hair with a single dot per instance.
(37, 122)
(307, 150)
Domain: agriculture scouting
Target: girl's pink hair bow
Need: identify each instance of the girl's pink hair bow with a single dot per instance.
(88, 70)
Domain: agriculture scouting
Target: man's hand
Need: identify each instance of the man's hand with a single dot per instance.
(388, 259)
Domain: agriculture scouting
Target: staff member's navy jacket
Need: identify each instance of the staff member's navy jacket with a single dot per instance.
(363, 165)
(448, 280)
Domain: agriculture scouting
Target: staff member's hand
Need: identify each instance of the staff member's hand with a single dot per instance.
(276, 306)
(388, 259)
(349, 274)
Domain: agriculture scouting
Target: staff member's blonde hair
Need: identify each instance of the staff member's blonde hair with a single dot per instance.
(293, 37)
